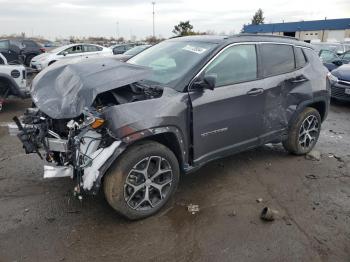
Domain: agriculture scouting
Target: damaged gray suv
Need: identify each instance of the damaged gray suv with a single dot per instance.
(133, 127)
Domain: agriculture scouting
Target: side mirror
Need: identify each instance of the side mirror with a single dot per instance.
(65, 53)
(208, 82)
(337, 62)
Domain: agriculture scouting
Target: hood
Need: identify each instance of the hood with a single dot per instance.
(342, 72)
(122, 57)
(65, 88)
(43, 55)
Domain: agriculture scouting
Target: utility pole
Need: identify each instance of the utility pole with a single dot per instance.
(153, 3)
(117, 30)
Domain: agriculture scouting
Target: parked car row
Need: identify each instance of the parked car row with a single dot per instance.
(331, 60)
(20, 50)
(71, 51)
(131, 52)
(338, 48)
(338, 64)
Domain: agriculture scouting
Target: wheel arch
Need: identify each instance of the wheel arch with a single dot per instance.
(169, 136)
(321, 104)
(12, 85)
(31, 54)
(51, 62)
(321, 107)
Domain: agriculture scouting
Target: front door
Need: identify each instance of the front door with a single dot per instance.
(75, 51)
(229, 118)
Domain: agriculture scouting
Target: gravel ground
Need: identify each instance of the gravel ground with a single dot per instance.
(41, 221)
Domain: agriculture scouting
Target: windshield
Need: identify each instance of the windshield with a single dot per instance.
(171, 60)
(136, 50)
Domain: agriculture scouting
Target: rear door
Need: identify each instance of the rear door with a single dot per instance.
(228, 118)
(281, 78)
(91, 50)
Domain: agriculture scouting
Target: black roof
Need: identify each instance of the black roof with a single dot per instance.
(242, 38)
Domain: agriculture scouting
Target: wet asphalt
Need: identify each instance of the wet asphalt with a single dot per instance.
(40, 220)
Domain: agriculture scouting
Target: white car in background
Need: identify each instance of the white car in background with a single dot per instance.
(13, 80)
(82, 51)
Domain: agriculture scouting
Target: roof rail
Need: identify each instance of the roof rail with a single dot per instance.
(276, 36)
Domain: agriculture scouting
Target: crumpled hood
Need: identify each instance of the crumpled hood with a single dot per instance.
(342, 72)
(64, 89)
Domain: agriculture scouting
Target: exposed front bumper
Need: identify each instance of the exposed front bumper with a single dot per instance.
(341, 90)
(87, 160)
(36, 65)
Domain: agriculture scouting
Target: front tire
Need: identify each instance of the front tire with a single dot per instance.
(304, 132)
(142, 180)
(28, 60)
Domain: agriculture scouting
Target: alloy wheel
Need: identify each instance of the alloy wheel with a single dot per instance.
(308, 132)
(148, 183)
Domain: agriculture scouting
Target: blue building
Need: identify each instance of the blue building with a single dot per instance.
(327, 30)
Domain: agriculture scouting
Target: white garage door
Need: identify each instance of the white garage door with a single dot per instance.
(335, 35)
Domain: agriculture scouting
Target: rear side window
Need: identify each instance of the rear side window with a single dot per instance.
(92, 48)
(300, 59)
(2, 61)
(234, 65)
(276, 59)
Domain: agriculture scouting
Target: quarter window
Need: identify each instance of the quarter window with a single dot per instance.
(92, 48)
(277, 59)
(234, 65)
(300, 59)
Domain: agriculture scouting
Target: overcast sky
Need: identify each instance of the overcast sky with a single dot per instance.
(52, 18)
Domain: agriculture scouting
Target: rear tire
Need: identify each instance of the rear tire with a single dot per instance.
(142, 180)
(28, 60)
(304, 132)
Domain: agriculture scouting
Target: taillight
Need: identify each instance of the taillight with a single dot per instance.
(43, 50)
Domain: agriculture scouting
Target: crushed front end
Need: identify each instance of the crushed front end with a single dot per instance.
(68, 128)
(76, 148)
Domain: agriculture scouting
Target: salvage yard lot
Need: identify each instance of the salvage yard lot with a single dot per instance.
(40, 220)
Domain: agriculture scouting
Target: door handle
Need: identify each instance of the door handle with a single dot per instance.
(299, 79)
(255, 91)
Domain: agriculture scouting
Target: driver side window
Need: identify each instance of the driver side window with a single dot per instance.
(73, 50)
(234, 65)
